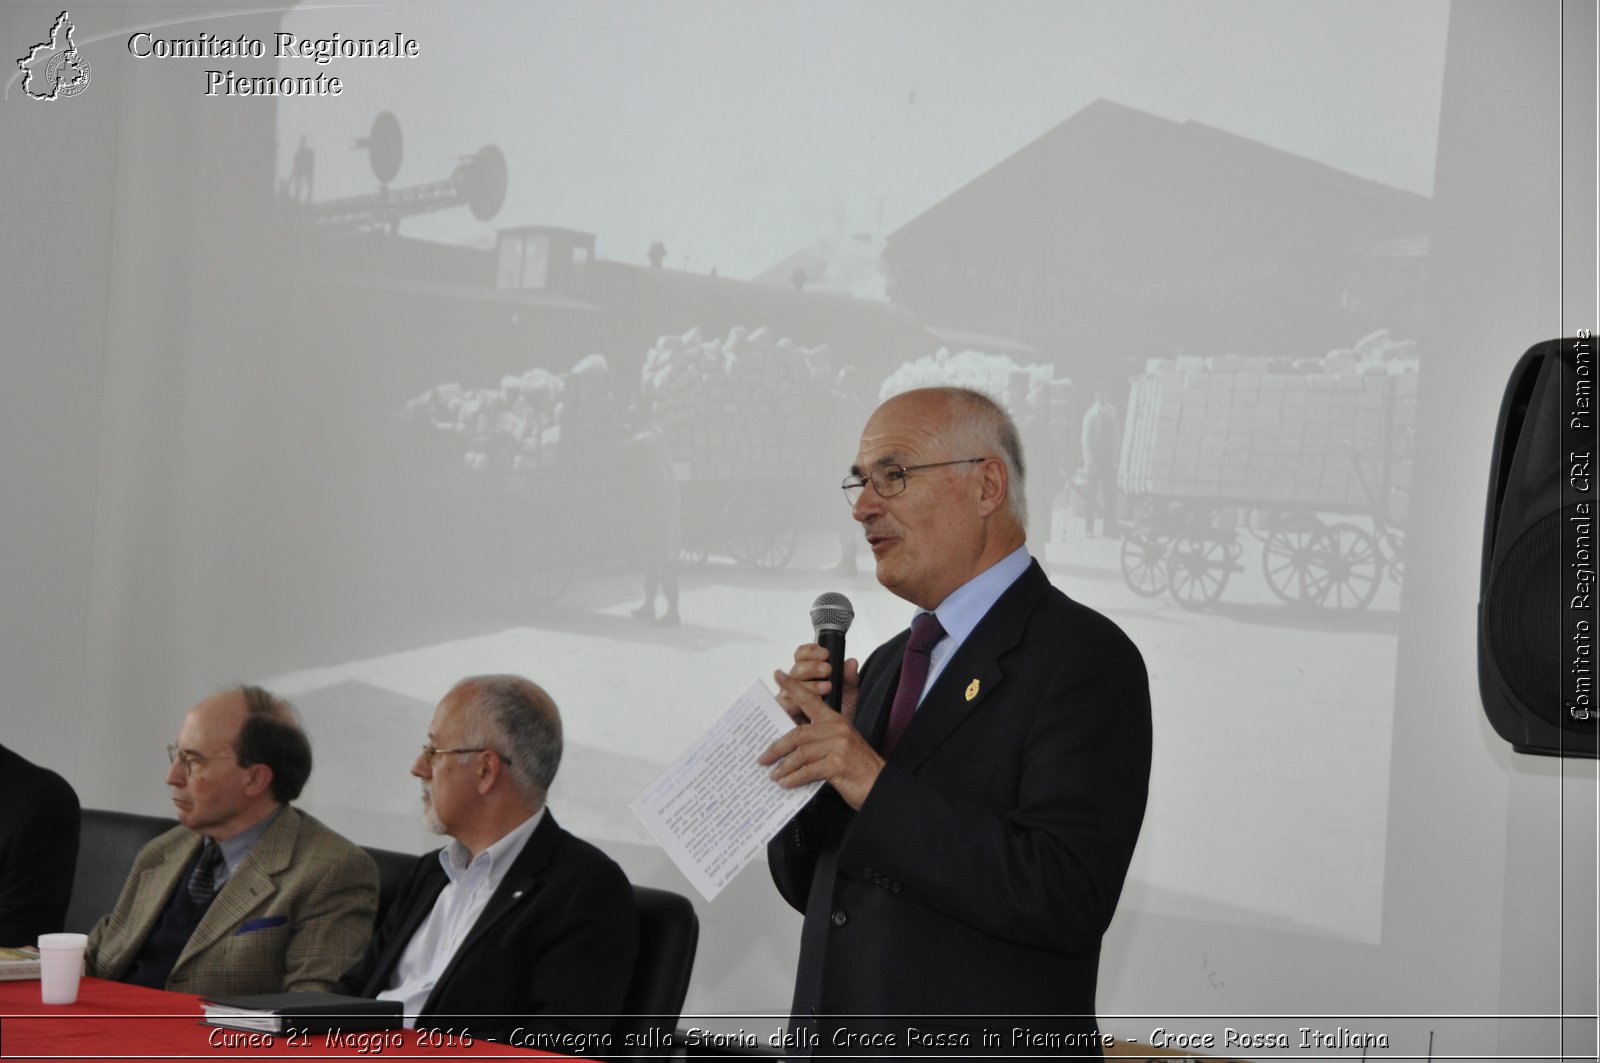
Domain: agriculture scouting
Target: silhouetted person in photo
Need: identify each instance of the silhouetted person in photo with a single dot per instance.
(647, 490)
(1102, 450)
(302, 177)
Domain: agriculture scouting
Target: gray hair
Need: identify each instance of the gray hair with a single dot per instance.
(981, 422)
(519, 721)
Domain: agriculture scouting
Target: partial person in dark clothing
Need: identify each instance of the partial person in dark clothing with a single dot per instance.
(38, 849)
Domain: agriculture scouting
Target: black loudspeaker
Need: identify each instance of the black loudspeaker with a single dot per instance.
(1536, 598)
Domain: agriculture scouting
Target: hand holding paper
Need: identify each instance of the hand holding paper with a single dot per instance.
(715, 808)
(828, 749)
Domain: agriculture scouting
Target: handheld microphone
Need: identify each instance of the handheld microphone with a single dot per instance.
(831, 614)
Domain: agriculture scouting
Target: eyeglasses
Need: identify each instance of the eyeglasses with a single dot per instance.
(429, 751)
(189, 759)
(890, 480)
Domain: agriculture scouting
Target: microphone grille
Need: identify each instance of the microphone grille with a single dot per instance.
(831, 612)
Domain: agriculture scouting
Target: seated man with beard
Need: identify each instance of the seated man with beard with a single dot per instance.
(516, 924)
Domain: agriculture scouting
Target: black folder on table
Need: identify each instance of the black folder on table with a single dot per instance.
(309, 1012)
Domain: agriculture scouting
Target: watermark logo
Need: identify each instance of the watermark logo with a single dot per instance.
(55, 68)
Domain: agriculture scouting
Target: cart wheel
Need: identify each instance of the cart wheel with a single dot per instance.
(549, 569)
(548, 582)
(1393, 546)
(1289, 556)
(772, 550)
(1198, 568)
(1259, 524)
(551, 572)
(759, 537)
(1144, 557)
(1349, 568)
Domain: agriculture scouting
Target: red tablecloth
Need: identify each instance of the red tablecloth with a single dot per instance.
(113, 1021)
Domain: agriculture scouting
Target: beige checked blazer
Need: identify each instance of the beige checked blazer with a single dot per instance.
(295, 914)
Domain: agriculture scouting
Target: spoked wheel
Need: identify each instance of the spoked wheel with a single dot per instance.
(1144, 561)
(1348, 568)
(549, 574)
(760, 535)
(694, 554)
(549, 582)
(1259, 524)
(1393, 546)
(1289, 558)
(1198, 567)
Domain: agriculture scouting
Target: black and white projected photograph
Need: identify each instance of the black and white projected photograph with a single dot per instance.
(354, 349)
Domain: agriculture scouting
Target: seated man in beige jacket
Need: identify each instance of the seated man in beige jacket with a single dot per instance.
(249, 895)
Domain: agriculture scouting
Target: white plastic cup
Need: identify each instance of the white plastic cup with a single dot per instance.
(60, 966)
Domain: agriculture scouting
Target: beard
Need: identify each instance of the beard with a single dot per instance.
(430, 818)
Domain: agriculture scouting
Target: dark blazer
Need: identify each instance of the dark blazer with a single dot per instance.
(985, 864)
(38, 849)
(552, 952)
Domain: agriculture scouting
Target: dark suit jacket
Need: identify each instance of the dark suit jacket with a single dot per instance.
(985, 864)
(552, 952)
(38, 849)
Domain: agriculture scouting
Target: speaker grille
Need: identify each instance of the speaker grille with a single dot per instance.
(1522, 618)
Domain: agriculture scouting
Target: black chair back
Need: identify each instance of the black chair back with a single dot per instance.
(669, 932)
(107, 844)
(393, 868)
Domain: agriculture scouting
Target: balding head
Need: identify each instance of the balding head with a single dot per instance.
(959, 511)
(515, 717)
(498, 739)
(239, 756)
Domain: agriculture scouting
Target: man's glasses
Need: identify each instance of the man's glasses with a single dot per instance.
(190, 760)
(429, 751)
(890, 480)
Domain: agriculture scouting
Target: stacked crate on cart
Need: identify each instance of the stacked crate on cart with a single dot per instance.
(1287, 443)
(729, 406)
(1237, 429)
(1026, 391)
(507, 429)
(504, 460)
(739, 415)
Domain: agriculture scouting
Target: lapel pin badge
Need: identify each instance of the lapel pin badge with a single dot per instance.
(972, 690)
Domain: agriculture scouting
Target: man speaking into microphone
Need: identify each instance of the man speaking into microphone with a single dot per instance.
(987, 769)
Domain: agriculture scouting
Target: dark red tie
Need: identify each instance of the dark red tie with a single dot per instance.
(925, 634)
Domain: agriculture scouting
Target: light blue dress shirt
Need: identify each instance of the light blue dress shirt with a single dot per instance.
(969, 603)
(236, 848)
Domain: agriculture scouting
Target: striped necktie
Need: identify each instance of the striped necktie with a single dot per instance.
(203, 881)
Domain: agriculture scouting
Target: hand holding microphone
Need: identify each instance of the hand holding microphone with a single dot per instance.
(831, 615)
(826, 746)
(821, 665)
